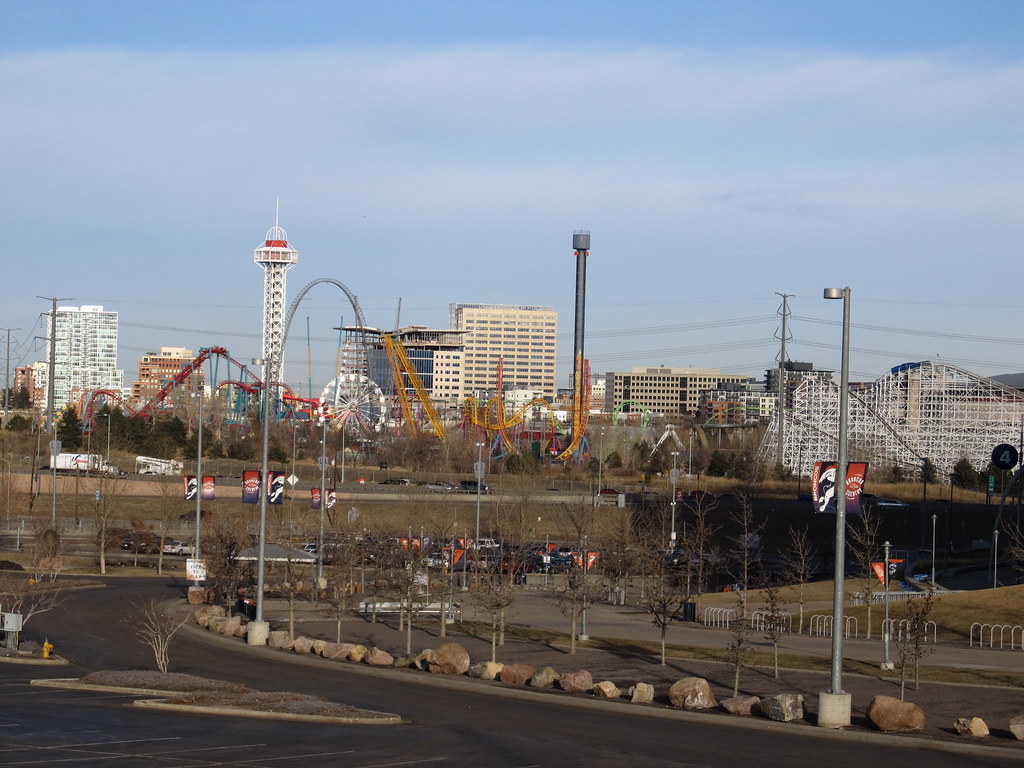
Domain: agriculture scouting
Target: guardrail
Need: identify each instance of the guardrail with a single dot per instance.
(1014, 631)
(372, 607)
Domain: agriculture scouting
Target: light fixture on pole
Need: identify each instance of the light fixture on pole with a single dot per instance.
(674, 475)
(834, 706)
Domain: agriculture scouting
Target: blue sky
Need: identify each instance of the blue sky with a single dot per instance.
(721, 153)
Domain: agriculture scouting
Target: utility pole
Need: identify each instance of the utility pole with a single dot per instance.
(781, 406)
(52, 339)
(7, 375)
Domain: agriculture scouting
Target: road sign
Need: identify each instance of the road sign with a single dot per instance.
(1004, 456)
(674, 476)
(292, 479)
(195, 570)
(478, 469)
(321, 462)
(55, 447)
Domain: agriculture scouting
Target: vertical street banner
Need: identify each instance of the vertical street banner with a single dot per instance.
(823, 486)
(191, 487)
(208, 488)
(879, 569)
(331, 498)
(314, 498)
(251, 486)
(275, 488)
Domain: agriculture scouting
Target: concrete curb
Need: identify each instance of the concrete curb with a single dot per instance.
(53, 661)
(73, 683)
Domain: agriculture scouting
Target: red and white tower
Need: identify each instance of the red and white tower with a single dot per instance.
(276, 257)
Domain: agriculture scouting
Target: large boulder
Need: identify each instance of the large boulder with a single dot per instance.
(378, 657)
(782, 708)
(357, 652)
(544, 678)
(641, 693)
(214, 623)
(449, 659)
(606, 689)
(303, 644)
(740, 705)
(971, 727)
(336, 650)
(887, 713)
(1017, 727)
(279, 638)
(516, 674)
(579, 681)
(485, 670)
(318, 646)
(230, 625)
(692, 693)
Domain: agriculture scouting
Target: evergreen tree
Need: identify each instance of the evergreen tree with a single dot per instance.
(964, 475)
(69, 429)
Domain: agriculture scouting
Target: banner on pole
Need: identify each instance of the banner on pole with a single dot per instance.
(191, 487)
(251, 486)
(823, 486)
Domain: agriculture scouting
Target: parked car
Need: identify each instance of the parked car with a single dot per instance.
(440, 486)
(470, 486)
(880, 501)
(178, 548)
(396, 481)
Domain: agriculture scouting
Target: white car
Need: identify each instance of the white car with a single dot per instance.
(178, 548)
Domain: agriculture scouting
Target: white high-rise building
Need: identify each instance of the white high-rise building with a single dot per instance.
(522, 337)
(85, 354)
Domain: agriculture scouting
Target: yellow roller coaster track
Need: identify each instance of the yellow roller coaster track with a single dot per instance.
(400, 364)
(581, 407)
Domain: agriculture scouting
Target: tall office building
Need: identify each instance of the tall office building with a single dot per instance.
(672, 392)
(435, 355)
(157, 369)
(85, 354)
(522, 336)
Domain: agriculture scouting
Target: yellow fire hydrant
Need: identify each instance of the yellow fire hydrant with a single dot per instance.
(47, 649)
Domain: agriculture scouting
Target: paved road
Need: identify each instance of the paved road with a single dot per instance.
(448, 720)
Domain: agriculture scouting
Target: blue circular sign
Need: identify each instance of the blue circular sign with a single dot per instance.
(1004, 456)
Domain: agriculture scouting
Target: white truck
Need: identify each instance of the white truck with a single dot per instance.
(144, 465)
(87, 463)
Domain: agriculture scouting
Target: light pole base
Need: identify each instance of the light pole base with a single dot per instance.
(583, 636)
(887, 666)
(834, 710)
(257, 632)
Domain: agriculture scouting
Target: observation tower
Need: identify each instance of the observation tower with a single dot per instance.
(276, 257)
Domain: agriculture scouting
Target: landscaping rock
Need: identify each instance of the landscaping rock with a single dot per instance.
(516, 674)
(230, 625)
(318, 646)
(607, 690)
(740, 705)
(214, 623)
(422, 659)
(1017, 727)
(303, 644)
(887, 713)
(692, 693)
(485, 670)
(545, 678)
(336, 650)
(279, 638)
(641, 693)
(971, 727)
(579, 681)
(357, 653)
(379, 658)
(783, 708)
(449, 659)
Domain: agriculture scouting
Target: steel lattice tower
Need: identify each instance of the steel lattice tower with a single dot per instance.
(276, 257)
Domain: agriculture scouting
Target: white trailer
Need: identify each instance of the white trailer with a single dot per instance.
(145, 465)
(83, 462)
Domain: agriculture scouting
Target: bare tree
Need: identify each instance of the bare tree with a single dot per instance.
(747, 542)
(799, 567)
(774, 618)
(739, 650)
(862, 538)
(343, 556)
(153, 624)
(225, 535)
(911, 642)
(494, 595)
(696, 545)
(104, 506)
(665, 597)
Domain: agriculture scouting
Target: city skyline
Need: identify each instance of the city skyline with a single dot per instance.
(438, 153)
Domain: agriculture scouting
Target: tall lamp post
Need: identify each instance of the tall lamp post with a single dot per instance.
(199, 477)
(834, 706)
(674, 474)
(259, 629)
(478, 473)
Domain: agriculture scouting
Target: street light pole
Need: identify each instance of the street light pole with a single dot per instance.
(675, 479)
(259, 629)
(934, 521)
(834, 706)
(886, 627)
(199, 478)
(478, 473)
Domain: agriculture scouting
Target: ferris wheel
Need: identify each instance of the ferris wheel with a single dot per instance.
(354, 396)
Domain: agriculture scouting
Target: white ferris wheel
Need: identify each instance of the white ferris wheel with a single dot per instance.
(354, 397)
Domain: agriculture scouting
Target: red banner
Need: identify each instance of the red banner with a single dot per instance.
(823, 486)
(208, 488)
(251, 486)
(879, 569)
